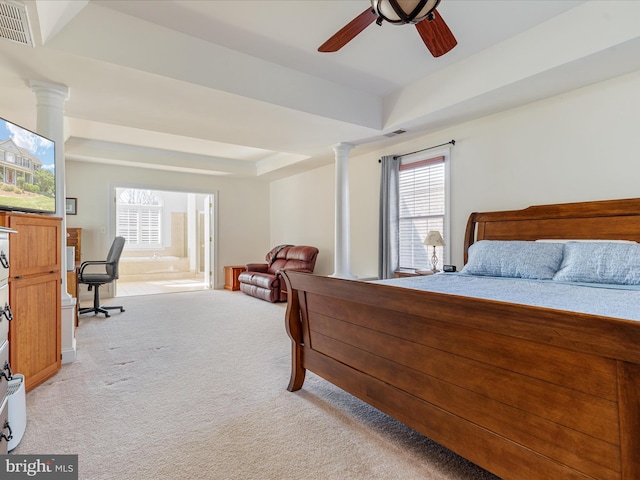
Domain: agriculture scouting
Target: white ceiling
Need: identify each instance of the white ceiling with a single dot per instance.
(238, 88)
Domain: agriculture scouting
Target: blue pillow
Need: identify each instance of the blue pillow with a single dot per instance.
(515, 259)
(600, 262)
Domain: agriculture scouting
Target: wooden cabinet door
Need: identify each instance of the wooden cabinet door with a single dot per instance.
(34, 334)
(35, 272)
(36, 247)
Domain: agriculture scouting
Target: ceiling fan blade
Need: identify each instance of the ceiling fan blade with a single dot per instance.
(436, 35)
(349, 31)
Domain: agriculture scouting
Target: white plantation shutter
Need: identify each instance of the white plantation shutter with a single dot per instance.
(139, 218)
(422, 208)
(128, 224)
(149, 226)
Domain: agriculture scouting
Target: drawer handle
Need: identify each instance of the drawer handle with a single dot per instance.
(6, 427)
(7, 367)
(6, 311)
(3, 259)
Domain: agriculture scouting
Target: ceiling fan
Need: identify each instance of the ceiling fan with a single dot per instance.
(422, 13)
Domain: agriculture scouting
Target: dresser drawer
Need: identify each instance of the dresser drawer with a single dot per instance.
(4, 415)
(4, 257)
(4, 360)
(5, 313)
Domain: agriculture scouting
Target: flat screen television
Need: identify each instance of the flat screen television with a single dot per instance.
(27, 170)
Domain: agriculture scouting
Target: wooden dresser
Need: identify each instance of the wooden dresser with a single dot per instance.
(74, 239)
(34, 295)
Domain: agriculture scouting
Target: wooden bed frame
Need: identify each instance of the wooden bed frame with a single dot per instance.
(524, 392)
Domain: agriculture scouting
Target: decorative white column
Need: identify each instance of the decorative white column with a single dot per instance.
(50, 100)
(342, 263)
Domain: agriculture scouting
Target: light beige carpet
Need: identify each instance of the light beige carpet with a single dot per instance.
(193, 386)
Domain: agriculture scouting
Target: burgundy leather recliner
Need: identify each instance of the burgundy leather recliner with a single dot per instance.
(262, 280)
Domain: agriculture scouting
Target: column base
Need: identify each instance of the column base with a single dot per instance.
(346, 276)
(69, 355)
(68, 329)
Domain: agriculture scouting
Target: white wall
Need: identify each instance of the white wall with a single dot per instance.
(302, 214)
(243, 208)
(579, 146)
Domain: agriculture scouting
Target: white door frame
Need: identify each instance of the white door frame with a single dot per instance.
(212, 221)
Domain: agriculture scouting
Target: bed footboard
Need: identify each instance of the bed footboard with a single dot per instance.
(524, 392)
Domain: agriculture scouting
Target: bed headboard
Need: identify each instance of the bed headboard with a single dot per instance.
(600, 220)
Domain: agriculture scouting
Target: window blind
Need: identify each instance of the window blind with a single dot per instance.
(422, 208)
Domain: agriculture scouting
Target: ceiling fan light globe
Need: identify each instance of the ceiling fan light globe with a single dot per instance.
(408, 14)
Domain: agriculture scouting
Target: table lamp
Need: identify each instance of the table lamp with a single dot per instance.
(434, 239)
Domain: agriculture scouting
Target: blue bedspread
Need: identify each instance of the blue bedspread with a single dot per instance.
(607, 300)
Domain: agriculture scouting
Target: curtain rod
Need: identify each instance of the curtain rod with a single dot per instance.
(451, 142)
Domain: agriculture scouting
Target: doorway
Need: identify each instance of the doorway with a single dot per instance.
(170, 241)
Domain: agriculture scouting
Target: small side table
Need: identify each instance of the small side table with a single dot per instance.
(231, 274)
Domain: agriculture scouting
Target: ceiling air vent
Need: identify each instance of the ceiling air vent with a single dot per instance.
(14, 24)
(395, 132)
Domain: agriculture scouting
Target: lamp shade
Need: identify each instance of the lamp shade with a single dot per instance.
(404, 11)
(434, 239)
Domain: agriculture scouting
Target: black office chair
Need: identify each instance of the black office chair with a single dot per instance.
(94, 280)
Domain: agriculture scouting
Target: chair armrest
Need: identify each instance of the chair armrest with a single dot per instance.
(303, 270)
(84, 265)
(257, 267)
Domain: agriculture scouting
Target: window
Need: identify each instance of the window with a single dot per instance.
(139, 214)
(422, 208)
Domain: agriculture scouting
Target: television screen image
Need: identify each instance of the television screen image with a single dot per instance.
(27, 170)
